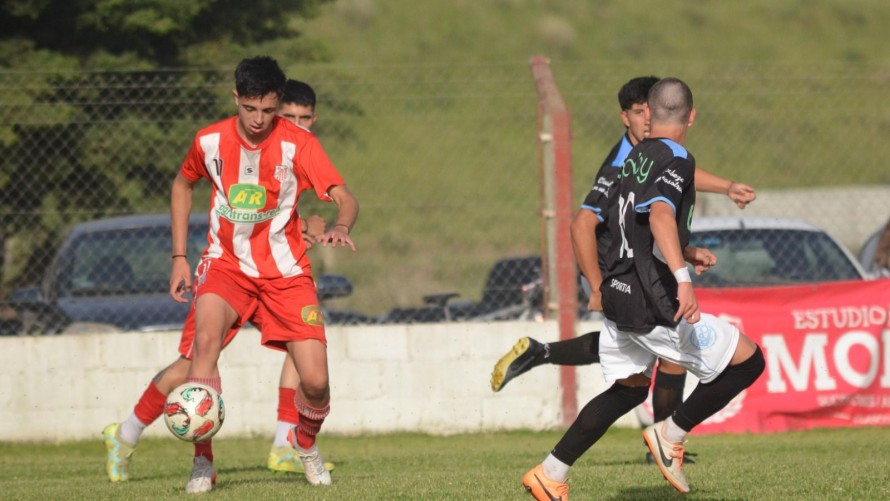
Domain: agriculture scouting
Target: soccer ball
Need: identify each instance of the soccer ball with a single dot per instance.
(194, 412)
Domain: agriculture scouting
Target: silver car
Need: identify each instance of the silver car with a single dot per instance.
(867, 255)
(768, 251)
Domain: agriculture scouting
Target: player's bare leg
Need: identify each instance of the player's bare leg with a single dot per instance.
(283, 456)
(213, 318)
(313, 404)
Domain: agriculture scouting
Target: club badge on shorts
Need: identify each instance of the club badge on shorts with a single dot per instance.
(312, 315)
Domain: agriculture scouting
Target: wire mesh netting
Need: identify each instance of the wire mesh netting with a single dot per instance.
(443, 159)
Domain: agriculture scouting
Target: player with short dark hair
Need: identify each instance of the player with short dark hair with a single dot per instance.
(590, 238)
(121, 438)
(650, 306)
(298, 104)
(260, 162)
(256, 258)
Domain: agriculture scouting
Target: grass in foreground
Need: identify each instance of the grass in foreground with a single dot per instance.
(823, 464)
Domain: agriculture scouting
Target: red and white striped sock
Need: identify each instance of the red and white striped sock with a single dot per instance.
(311, 419)
(149, 408)
(206, 448)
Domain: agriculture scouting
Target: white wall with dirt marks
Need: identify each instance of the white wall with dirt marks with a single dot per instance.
(421, 378)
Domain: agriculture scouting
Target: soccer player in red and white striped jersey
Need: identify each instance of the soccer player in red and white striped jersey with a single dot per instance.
(258, 164)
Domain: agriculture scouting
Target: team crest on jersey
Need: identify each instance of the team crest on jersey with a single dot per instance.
(282, 173)
(312, 315)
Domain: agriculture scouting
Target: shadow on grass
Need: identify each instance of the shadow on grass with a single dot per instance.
(666, 492)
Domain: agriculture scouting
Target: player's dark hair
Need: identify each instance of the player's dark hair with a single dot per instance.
(670, 100)
(635, 91)
(258, 76)
(298, 92)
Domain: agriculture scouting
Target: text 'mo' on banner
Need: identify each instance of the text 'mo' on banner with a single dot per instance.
(827, 350)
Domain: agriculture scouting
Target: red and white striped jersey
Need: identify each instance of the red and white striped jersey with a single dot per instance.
(254, 222)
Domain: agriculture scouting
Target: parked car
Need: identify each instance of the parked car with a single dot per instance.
(751, 251)
(115, 272)
(767, 251)
(512, 290)
(867, 253)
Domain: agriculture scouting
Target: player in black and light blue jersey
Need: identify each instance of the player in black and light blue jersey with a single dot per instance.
(638, 289)
(650, 305)
(591, 238)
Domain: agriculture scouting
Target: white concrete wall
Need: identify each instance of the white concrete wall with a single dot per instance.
(429, 378)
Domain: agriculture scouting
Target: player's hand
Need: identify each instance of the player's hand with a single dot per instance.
(338, 235)
(700, 258)
(595, 303)
(180, 280)
(741, 194)
(688, 309)
(313, 226)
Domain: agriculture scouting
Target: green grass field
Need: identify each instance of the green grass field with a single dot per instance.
(822, 464)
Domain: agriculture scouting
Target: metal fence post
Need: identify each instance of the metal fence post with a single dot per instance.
(558, 262)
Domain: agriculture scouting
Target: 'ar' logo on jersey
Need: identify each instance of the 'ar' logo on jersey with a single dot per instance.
(247, 196)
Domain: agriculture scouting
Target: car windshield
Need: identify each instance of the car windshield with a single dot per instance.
(763, 257)
(124, 261)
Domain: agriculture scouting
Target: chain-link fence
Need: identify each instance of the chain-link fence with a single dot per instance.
(442, 158)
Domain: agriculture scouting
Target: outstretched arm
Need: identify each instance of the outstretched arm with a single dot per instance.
(347, 214)
(740, 193)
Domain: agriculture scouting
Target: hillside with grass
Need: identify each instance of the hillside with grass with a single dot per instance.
(430, 111)
(468, 31)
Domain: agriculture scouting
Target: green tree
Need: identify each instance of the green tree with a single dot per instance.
(95, 116)
(157, 32)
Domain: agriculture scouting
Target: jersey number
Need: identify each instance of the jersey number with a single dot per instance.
(623, 205)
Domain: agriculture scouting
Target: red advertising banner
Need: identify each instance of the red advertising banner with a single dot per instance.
(827, 350)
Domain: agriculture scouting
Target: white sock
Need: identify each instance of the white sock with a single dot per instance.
(281, 431)
(672, 432)
(132, 429)
(555, 469)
